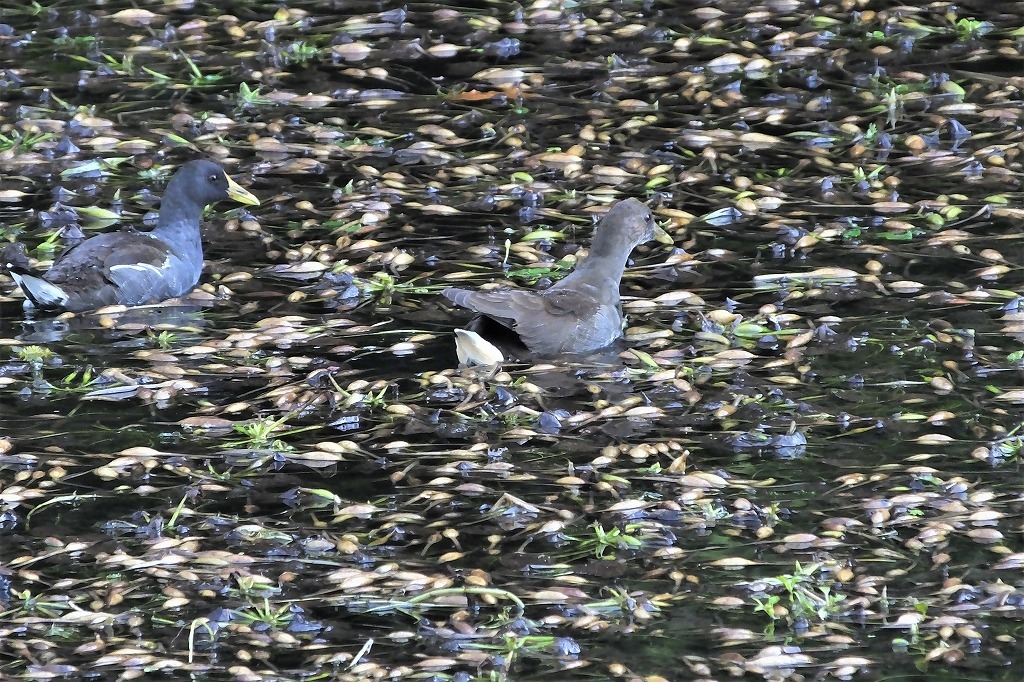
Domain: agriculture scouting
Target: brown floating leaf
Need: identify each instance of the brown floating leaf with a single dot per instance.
(1010, 562)
(889, 207)
(501, 76)
(300, 271)
(985, 535)
(136, 17)
(726, 63)
(733, 563)
(480, 96)
(11, 196)
(759, 141)
(353, 52)
(208, 423)
(934, 439)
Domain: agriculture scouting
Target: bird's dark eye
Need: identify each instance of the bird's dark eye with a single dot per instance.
(647, 218)
(212, 178)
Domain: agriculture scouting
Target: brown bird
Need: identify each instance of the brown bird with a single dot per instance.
(132, 268)
(581, 312)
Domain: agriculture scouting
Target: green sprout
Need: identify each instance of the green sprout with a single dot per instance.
(196, 78)
(299, 53)
(25, 142)
(970, 29)
(35, 605)
(164, 340)
(275, 619)
(805, 595)
(610, 540)
(251, 97)
(78, 380)
(35, 355)
(258, 434)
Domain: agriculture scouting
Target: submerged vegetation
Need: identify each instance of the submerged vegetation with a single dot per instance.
(804, 459)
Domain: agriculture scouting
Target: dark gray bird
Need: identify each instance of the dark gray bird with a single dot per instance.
(132, 268)
(581, 312)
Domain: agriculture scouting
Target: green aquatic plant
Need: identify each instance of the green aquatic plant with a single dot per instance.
(194, 77)
(766, 605)
(155, 173)
(530, 274)
(32, 9)
(68, 42)
(197, 78)
(163, 340)
(78, 381)
(123, 67)
(892, 102)
(23, 142)
(807, 593)
(257, 434)
(861, 176)
(35, 355)
(300, 52)
(95, 167)
(712, 512)
(343, 226)
(250, 97)
(512, 646)
(382, 287)
(971, 29)
(35, 605)
(376, 401)
(264, 615)
(605, 543)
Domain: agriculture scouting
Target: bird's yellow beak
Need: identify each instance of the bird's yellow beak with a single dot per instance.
(241, 194)
(662, 237)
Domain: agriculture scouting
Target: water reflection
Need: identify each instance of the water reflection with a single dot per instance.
(124, 328)
(811, 422)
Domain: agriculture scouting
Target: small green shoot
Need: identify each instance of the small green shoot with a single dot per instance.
(806, 595)
(300, 52)
(257, 434)
(35, 605)
(35, 355)
(24, 142)
(971, 29)
(78, 381)
(251, 97)
(164, 340)
(264, 615)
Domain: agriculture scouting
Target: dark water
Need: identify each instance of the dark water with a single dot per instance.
(812, 468)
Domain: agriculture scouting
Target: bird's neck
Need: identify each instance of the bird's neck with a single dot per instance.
(607, 258)
(179, 224)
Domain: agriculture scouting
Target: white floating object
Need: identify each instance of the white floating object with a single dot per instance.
(473, 349)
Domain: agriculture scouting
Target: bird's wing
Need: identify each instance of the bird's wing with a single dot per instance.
(571, 321)
(581, 303)
(113, 268)
(515, 304)
(500, 304)
(105, 251)
(551, 321)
